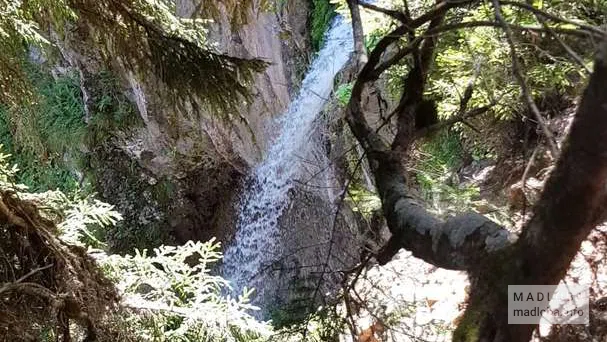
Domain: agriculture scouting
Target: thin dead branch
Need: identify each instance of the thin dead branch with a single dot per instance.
(518, 74)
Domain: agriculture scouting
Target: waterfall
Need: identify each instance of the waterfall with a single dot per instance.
(266, 193)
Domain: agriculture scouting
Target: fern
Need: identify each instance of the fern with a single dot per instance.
(181, 297)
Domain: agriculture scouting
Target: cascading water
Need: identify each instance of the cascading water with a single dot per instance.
(266, 195)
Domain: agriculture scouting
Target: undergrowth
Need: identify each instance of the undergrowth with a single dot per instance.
(320, 19)
(112, 110)
(343, 93)
(48, 137)
(435, 168)
(40, 135)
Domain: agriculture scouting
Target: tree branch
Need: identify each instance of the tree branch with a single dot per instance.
(573, 200)
(453, 120)
(571, 205)
(456, 243)
(459, 243)
(518, 75)
(11, 285)
(400, 54)
(582, 33)
(547, 15)
(400, 16)
(414, 86)
(366, 74)
(360, 53)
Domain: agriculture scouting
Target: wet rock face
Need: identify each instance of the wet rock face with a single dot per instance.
(316, 245)
(201, 157)
(278, 36)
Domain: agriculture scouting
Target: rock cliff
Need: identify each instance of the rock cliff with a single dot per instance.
(186, 162)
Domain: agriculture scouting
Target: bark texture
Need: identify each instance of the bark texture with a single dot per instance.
(571, 205)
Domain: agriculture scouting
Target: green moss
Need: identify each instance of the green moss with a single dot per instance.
(468, 328)
(320, 19)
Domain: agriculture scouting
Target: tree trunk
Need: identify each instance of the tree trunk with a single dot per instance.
(360, 54)
(572, 204)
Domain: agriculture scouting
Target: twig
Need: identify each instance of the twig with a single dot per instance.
(547, 15)
(335, 217)
(7, 286)
(524, 178)
(400, 16)
(581, 32)
(516, 69)
(565, 46)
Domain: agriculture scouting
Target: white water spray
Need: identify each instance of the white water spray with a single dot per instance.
(266, 194)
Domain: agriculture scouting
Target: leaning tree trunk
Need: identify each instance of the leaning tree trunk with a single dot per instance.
(572, 204)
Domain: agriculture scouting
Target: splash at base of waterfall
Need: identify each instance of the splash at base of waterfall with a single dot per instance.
(257, 244)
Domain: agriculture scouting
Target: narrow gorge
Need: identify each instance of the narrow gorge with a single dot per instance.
(295, 156)
(300, 170)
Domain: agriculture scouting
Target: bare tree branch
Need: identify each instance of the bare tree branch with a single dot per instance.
(582, 33)
(374, 58)
(518, 75)
(453, 120)
(360, 53)
(10, 285)
(552, 17)
(400, 16)
(394, 59)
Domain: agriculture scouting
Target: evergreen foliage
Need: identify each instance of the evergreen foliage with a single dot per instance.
(144, 35)
(182, 300)
(46, 283)
(169, 295)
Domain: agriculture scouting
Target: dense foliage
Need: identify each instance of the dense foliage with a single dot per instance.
(476, 59)
(169, 293)
(320, 19)
(49, 139)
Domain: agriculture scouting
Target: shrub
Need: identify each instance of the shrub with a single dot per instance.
(343, 93)
(178, 297)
